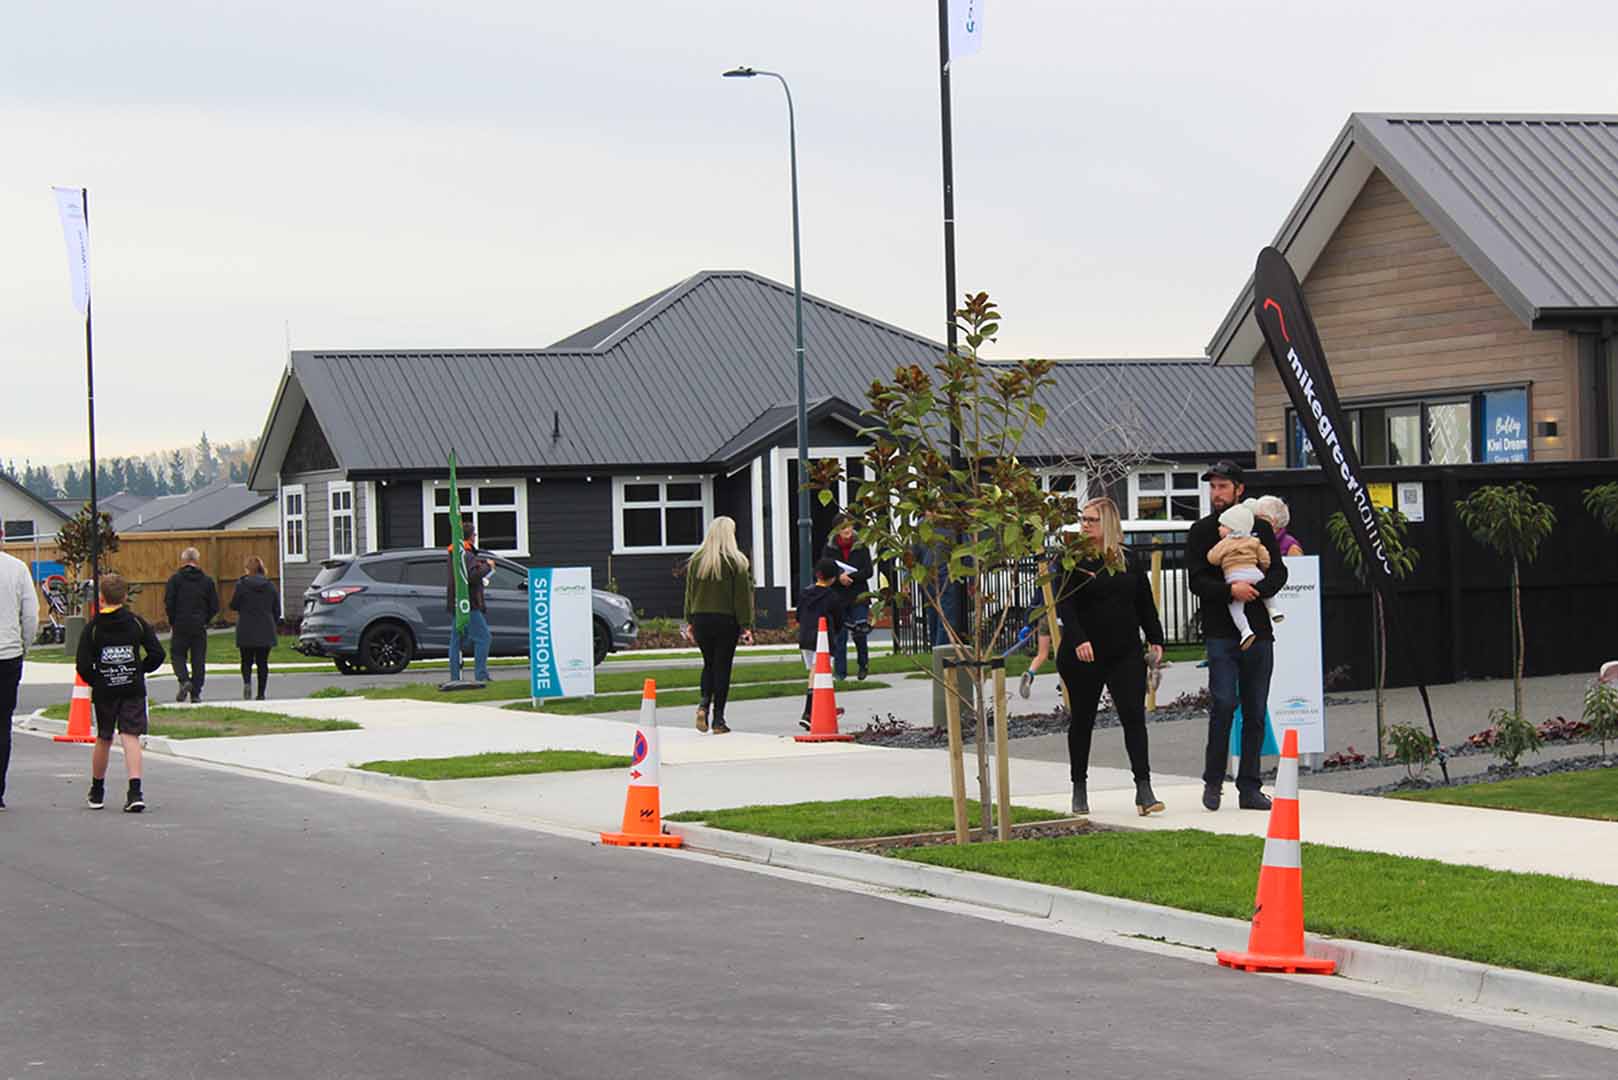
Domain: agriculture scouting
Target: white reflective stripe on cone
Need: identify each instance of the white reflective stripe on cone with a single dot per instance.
(1283, 854)
(1286, 778)
(822, 642)
(81, 691)
(823, 681)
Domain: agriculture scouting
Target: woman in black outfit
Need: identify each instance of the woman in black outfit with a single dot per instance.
(257, 604)
(1105, 603)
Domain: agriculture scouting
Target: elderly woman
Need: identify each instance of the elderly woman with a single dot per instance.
(1274, 510)
(1105, 605)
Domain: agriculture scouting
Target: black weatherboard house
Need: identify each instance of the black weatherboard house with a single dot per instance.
(615, 447)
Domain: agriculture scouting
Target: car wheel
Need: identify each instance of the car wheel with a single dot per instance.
(386, 648)
(603, 641)
(348, 666)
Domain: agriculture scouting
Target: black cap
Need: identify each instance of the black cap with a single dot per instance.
(1227, 470)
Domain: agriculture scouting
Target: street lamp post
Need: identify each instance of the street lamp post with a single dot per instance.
(805, 523)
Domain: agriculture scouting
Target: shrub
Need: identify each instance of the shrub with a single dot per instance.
(1412, 748)
(1561, 729)
(1513, 736)
(1343, 759)
(1601, 712)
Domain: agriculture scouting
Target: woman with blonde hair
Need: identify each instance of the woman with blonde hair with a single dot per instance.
(1105, 604)
(718, 613)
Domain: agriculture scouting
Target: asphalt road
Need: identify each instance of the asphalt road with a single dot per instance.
(246, 927)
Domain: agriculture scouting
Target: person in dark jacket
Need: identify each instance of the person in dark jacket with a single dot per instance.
(478, 570)
(822, 600)
(1105, 605)
(855, 583)
(190, 600)
(718, 615)
(257, 604)
(1234, 674)
(116, 653)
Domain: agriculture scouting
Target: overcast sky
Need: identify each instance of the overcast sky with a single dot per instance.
(389, 173)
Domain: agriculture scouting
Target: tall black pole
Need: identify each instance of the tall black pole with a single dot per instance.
(90, 397)
(806, 555)
(959, 588)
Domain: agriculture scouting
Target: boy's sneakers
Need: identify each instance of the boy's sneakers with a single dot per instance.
(98, 795)
(2, 802)
(136, 802)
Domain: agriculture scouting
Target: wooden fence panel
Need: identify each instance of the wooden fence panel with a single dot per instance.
(148, 559)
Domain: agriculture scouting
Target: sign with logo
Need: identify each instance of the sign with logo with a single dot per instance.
(1297, 687)
(1381, 495)
(1505, 426)
(561, 632)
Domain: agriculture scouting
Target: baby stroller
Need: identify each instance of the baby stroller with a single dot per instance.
(54, 589)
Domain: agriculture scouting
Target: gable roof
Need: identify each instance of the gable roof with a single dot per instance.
(1530, 203)
(51, 512)
(1179, 408)
(114, 504)
(208, 508)
(692, 377)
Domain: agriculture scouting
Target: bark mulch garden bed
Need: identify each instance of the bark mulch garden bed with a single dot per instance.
(1032, 830)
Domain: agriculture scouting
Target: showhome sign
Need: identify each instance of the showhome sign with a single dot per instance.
(561, 636)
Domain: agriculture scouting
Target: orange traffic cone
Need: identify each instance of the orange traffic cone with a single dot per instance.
(78, 714)
(1276, 941)
(823, 714)
(643, 821)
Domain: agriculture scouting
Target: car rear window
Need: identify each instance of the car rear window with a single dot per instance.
(331, 574)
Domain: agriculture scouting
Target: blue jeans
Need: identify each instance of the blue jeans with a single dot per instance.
(861, 614)
(1237, 675)
(477, 631)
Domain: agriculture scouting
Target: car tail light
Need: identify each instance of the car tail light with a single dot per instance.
(338, 594)
(333, 639)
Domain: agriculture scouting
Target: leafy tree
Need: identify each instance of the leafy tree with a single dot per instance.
(1510, 520)
(177, 478)
(1601, 712)
(70, 485)
(1602, 502)
(1402, 558)
(207, 470)
(238, 471)
(74, 539)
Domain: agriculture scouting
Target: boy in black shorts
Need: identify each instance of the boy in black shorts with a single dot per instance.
(116, 653)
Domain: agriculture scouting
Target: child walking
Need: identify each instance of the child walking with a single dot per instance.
(1243, 557)
(116, 653)
(818, 601)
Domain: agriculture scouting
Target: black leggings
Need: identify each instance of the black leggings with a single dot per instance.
(1125, 677)
(716, 636)
(259, 658)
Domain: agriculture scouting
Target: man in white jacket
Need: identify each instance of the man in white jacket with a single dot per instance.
(19, 622)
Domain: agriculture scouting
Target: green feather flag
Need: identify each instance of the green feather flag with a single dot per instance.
(457, 558)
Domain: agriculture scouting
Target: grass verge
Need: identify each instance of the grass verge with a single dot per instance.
(218, 722)
(1535, 922)
(671, 699)
(849, 819)
(478, 766)
(1589, 794)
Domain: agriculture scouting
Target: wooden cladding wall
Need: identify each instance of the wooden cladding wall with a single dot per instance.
(1400, 313)
(148, 559)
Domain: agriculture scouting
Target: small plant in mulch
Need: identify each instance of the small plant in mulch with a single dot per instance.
(1561, 729)
(1412, 748)
(1513, 737)
(1337, 678)
(1343, 759)
(884, 726)
(1601, 712)
(1191, 701)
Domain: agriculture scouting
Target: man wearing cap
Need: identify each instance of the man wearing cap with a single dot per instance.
(1234, 674)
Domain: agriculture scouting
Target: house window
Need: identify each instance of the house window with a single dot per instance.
(1166, 495)
(1435, 431)
(340, 496)
(497, 509)
(19, 530)
(1071, 485)
(653, 514)
(293, 534)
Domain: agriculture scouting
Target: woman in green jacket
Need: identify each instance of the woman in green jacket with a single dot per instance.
(718, 614)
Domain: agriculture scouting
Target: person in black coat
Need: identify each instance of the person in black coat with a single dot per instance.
(257, 604)
(1105, 605)
(190, 601)
(853, 584)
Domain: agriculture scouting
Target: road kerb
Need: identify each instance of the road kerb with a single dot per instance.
(405, 787)
(1439, 977)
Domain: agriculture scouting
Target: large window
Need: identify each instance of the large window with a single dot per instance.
(340, 504)
(1072, 484)
(653, 514)
(1163, 494)
(497, 509)
(294, 534)
(1447, 430)
(22, 529)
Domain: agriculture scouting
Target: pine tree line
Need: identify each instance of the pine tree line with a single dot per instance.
(136, 476)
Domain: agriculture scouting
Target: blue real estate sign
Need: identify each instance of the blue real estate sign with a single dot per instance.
(561, 637)
(1505, 426)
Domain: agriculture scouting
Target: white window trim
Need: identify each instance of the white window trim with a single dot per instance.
(1132, 516)
(370, 517)
(618, 505)
(429, 509)
(302, 518)
(755, 473)
(332, 514)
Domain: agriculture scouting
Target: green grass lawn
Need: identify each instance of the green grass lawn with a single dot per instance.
(1589, 794)
(214, 722)
(849, 819)
(672, 699)
(478, 766)
(1535, 922)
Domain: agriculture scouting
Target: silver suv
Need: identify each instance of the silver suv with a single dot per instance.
(376, 613)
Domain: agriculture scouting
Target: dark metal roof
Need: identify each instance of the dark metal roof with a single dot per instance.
(1530, 202)
(685, 378)
(212, 507)
(1182, 408)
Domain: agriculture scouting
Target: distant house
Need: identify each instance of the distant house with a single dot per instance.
(219, 506)
(25, 514)
(617, 446)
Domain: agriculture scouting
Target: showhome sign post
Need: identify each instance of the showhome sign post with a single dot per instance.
(1297, 686)
(561, 636)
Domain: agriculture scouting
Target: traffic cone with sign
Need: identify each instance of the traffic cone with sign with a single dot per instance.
(643, 821)
(823, 713)
(1276, 940)
(78, 714)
